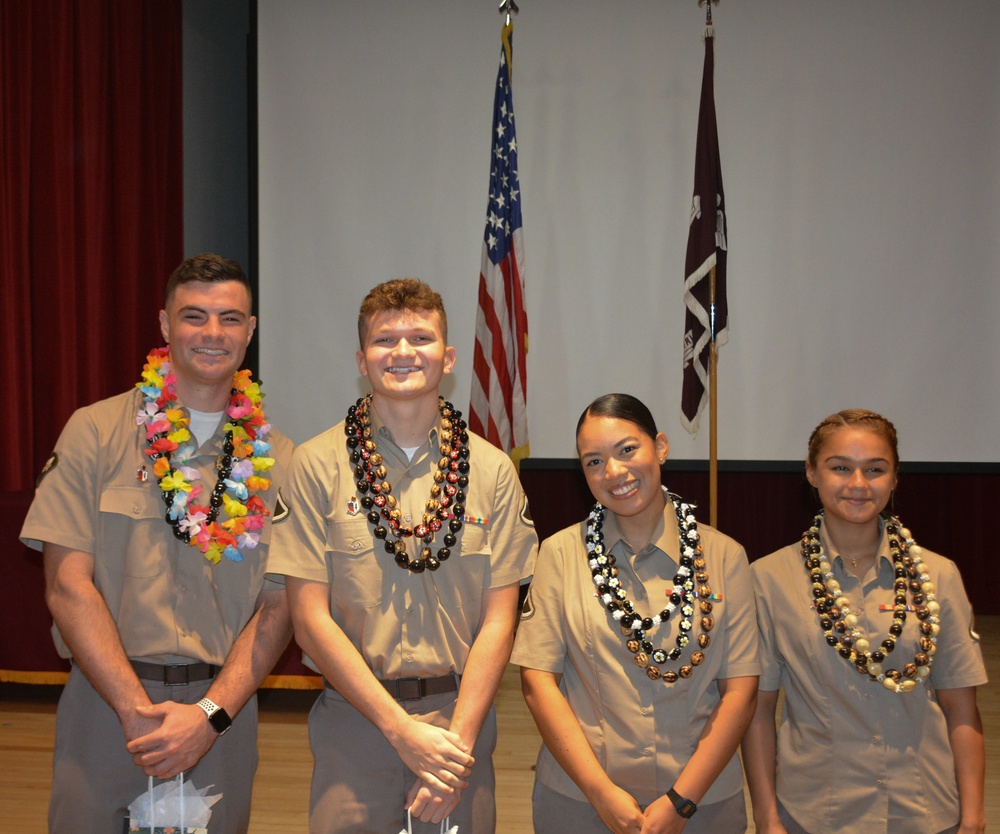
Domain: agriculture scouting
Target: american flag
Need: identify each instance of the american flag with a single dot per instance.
(706, 249)
(498, 404)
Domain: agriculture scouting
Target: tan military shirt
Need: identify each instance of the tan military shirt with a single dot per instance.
(887, 754)
(642, 731)
(99, 496)
(403, 624)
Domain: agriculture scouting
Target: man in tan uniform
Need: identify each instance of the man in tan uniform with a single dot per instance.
(406, 541)
(170, 622)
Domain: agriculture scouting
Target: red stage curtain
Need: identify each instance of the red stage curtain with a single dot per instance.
(767, 510)
(91, 224)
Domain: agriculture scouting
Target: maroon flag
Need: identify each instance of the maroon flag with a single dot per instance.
(498, 404)
(706, 248)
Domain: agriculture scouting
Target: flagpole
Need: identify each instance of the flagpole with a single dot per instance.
(706, 317)
(713, 399)
(713, 359)
(499, 392)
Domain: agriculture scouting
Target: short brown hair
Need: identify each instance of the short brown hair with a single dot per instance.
(208, 269)
(858, 418)
(402, 294)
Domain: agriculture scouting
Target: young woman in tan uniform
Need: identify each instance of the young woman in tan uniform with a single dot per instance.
(641, 691)
(871, 639)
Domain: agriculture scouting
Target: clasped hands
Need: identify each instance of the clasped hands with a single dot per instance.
(620, 812)
(167, 738)
(442, 763)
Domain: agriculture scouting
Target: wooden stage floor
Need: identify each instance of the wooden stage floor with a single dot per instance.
(281, 791)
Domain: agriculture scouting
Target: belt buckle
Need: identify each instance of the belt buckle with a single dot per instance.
(410, 689)
(176, 674)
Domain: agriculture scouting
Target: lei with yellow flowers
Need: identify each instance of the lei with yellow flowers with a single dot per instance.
(244, 457)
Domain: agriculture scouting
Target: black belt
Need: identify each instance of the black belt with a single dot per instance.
(413, 689)
(175, 674)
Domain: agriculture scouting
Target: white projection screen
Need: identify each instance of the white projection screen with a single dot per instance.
(860, 148)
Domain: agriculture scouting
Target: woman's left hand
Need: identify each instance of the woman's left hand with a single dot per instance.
(661, 817)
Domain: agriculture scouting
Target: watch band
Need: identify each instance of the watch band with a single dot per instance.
(685, 807)
(217, 716)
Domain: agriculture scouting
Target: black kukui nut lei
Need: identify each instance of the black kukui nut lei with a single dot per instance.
(447, 497)
(224, 469)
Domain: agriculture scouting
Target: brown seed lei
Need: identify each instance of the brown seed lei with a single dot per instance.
(447, 499)
(840, 624)
(684, 595)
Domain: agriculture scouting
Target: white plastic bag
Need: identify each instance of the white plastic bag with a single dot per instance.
(175, 804)
(444, 825)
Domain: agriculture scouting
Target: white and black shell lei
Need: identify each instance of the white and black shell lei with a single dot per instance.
(690, 591)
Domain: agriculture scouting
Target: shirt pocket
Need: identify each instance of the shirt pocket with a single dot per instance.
(355, 573)
(134, 525)
(462, 579)
(474, 542)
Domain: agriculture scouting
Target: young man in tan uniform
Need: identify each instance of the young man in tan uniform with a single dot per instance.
(406, 542)
(170, 622)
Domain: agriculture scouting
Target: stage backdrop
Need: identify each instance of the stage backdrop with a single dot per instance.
(860, 150)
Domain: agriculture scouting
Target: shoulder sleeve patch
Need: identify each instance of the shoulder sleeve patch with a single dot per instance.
(526, 513)
(281, 509)
(50, 464)
(528, 609)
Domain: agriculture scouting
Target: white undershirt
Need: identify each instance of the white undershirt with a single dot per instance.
(203, 424)
(410, 451)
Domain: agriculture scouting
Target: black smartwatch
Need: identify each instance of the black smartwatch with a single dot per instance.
(217, 716)
(685, 807)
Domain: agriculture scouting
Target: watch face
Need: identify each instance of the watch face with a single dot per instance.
(220, 721)
(686, 809)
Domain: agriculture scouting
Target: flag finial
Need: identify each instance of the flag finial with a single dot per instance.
(708, 10)
(510, 7)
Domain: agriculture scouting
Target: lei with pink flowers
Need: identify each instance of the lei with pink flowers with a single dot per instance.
(239, 469)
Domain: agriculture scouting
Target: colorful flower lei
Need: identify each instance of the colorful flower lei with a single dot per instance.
(244, 458)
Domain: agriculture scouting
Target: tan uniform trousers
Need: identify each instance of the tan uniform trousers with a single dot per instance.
(360, 784)
(94, 779)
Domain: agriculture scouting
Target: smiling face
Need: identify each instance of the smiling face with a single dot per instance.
(208, 327)
(854, 473)
(404, 354)
(622, 465)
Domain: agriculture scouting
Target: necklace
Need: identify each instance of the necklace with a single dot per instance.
(857, 560)
(684, 596)
(840, 624)
(244, 456)
(447, 498)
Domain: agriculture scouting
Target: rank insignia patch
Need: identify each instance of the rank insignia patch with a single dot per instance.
(50, 464)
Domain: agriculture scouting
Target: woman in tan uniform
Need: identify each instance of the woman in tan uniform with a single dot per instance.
(641, 691)
(871, 639)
